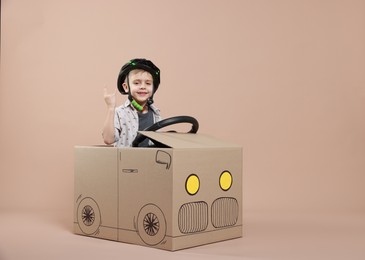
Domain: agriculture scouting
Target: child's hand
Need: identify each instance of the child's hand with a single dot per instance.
(109, 99)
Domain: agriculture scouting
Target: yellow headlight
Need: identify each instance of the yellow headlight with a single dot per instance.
(192, 184)
(225, 180)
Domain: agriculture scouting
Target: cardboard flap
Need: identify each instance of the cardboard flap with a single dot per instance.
(187, 140)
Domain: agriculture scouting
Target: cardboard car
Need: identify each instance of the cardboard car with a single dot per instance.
(183, 192)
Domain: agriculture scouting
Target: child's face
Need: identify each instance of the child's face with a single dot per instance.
(141, 86)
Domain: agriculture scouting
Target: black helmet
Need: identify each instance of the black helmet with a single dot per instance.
(143, 64)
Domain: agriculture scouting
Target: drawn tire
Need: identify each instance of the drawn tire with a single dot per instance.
(151, 224)
(88, 216)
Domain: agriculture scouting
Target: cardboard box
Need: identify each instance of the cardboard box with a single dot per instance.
(184, 194)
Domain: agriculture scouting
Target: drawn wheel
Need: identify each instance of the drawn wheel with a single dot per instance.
(88, 216)
(151, 224)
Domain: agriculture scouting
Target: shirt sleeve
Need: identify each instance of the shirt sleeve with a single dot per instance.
(117, 127)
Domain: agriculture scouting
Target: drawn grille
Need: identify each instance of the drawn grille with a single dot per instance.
(193, 217)
(224, 212)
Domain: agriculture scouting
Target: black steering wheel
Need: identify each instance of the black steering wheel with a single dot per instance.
(166, 122)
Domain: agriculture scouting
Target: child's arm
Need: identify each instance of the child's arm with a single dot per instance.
(108, 129)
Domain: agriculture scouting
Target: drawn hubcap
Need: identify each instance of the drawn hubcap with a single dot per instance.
(151, 224)
(88, 215)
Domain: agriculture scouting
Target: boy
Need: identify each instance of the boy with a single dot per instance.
(139, 79)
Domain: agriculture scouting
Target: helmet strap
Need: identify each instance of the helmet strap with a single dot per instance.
(150, 100)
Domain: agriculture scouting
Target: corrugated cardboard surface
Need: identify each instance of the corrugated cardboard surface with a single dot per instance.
(119, 190)
(182, 140)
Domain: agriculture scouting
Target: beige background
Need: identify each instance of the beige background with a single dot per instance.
(285, 79)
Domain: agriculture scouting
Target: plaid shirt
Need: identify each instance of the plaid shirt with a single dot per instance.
(126, 123)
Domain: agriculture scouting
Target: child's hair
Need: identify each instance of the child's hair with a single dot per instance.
(142, 64)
